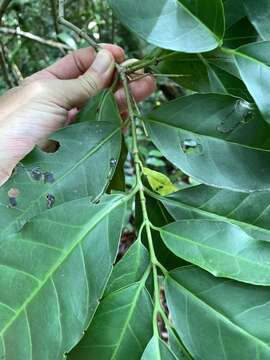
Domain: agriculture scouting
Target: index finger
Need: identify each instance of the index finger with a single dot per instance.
(76, 63)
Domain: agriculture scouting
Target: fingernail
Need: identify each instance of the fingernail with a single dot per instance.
(102, 61)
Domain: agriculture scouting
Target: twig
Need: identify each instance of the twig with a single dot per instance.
(80, 32)
(3, 8)
(35, 38)
(4, 66)
(17, 73)
(12, 68)
(54, 16)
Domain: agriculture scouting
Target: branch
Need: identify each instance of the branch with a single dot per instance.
(80, 32)
(54, 16)
(4, 66)
(3, 7)
(35, 38)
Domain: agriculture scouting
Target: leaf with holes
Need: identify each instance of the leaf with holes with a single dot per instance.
(159, 182)
(217, 139)
(254, 66)
(85, 154)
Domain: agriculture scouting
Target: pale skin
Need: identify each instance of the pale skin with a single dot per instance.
(48, 100)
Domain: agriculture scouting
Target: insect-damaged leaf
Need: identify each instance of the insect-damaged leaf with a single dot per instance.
(223, 319)
(51, 282)
(254, 66)
(216, 139)
(81, 167)
(159, 182)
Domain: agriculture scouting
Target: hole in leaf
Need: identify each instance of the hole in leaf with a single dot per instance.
(50, 147)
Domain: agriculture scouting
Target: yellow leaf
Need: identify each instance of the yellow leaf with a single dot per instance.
(160, 183)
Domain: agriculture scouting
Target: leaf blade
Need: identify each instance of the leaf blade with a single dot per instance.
(96, 143)
(220, 248)
(202, 27)
(232, 310)
(125, 310)
(212, 144)
(40, 287)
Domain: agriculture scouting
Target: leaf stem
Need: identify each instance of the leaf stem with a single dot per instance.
(146, 222)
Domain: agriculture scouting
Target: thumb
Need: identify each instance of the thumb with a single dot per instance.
(96, 78)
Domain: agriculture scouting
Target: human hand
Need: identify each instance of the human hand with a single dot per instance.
(46, 100)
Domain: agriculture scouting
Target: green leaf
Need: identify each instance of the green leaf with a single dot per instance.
(158, 350)
(121, 327)
(216, 139)
(202, 73)
(254, 66)
(249, 211)
(129, 269)
(217, 318)
(175, 345)
(258, 13)
(159, 182)
(101, 107)
(85, 154)
(51, 278)
(118, 181)
(193, 26)
(234, 11)
(240, 34)
(221, 248)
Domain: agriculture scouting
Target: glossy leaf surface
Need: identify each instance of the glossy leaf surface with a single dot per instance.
(181, 25)
(157, 349)
(258, 13)
(51, 279)
(205, 73)
(222, 249)
(254, 66)
(212, 138)
(224, 319)
(249, 211)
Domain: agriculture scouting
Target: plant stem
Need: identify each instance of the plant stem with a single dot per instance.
(138, 165)
(81, 33)
(146, 62)
(30, 36)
